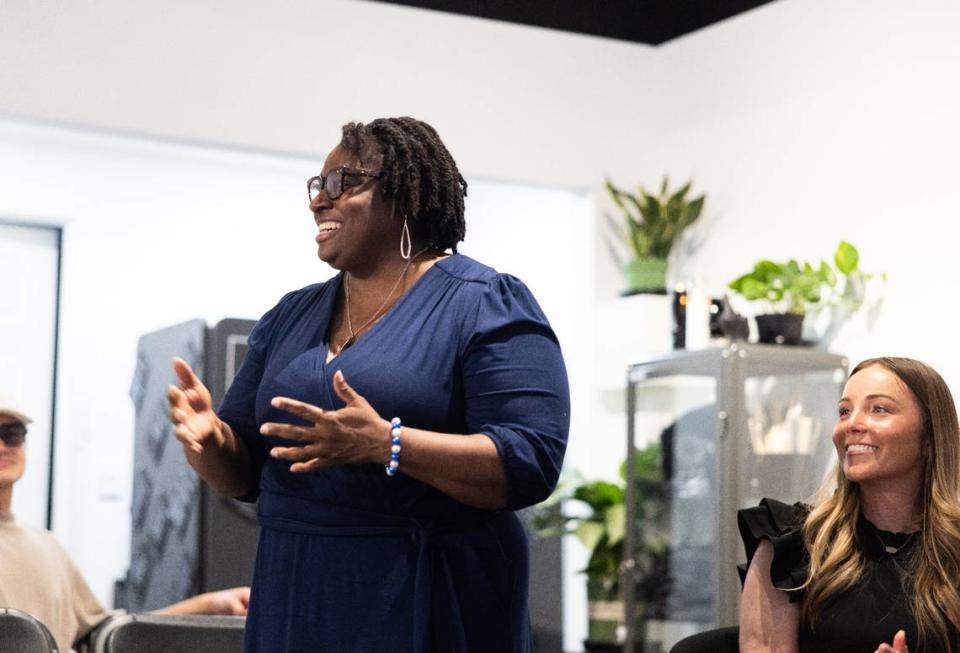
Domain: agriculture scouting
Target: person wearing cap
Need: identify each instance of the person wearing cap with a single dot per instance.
(38, 577)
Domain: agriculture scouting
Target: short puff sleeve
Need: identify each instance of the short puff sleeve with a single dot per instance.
(515, 387)
(781, 524)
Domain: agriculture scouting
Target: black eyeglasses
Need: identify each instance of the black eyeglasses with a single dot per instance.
(13, 434)
(332, 182)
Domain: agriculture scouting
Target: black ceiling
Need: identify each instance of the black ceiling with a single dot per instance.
(641, 21)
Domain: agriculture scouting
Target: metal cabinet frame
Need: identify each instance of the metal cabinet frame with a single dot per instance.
(730, 366)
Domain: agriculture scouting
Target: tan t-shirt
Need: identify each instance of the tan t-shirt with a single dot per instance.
(38, 577)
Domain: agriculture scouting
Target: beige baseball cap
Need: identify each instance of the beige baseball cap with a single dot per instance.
(6, 408)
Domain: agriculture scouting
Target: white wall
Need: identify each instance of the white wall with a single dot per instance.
(807, 122)
(512, 102)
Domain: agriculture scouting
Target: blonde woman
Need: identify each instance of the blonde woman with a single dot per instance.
(874, 565)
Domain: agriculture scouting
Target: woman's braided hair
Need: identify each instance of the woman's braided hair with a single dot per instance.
(417, 173)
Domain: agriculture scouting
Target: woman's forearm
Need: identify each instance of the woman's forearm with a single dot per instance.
(465, 467)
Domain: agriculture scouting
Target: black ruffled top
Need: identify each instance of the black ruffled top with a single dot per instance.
(859, 619)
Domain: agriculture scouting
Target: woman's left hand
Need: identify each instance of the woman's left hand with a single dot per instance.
(899, 644)
(353, 434)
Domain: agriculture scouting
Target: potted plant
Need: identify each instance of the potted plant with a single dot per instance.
(651, 225)
(595, 512)
(789, 290)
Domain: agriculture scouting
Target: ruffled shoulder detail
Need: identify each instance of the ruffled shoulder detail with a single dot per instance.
(781, 524)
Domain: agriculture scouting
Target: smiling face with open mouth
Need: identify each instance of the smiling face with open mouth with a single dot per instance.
(879, 431)
(355, 227)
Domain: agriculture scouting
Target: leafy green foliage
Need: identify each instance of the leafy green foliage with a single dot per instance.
(647, 465)
(846, 257)
(652, 223)
(599, 495)
(795, 287)
(601, 522)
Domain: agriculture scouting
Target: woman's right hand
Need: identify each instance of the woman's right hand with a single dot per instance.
(195, 423)
(899, 644)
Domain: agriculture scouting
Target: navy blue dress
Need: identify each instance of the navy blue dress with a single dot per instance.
(353, 560)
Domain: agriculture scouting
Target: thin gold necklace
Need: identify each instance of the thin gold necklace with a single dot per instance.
(354, 334)
(893, 550)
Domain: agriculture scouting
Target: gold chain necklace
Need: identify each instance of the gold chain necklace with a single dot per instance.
(354, 334)
(893, 550)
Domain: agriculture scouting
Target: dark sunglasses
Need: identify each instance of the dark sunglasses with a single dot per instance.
(332, 182)
(14, 434)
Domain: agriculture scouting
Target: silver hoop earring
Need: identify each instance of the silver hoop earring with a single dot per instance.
(406, 244)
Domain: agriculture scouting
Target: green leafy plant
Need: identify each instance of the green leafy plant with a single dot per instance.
(651, 225)
(798, 287)
(598, 519)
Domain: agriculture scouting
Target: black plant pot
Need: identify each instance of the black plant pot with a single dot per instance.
(780, 328)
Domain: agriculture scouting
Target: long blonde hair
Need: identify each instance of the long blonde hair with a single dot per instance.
(829, 530)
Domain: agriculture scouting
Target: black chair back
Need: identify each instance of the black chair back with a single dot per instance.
(718, 640)
(23, 633)
(152, 633)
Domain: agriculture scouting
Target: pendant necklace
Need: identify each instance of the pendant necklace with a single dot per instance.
(354, 334)
(893, 550)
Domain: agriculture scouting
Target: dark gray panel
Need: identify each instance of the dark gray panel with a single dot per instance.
(164, 519)
(546, 592)
(229, 528)
(184, 538)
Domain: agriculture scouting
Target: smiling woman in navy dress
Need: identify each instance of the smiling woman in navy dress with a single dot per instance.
(390, 420)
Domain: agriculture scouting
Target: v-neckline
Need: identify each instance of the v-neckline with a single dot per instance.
(327, 357)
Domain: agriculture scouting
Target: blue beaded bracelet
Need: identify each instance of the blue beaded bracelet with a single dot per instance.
(394, 447)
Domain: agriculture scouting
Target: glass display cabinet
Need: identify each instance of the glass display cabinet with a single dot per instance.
(710, 432)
